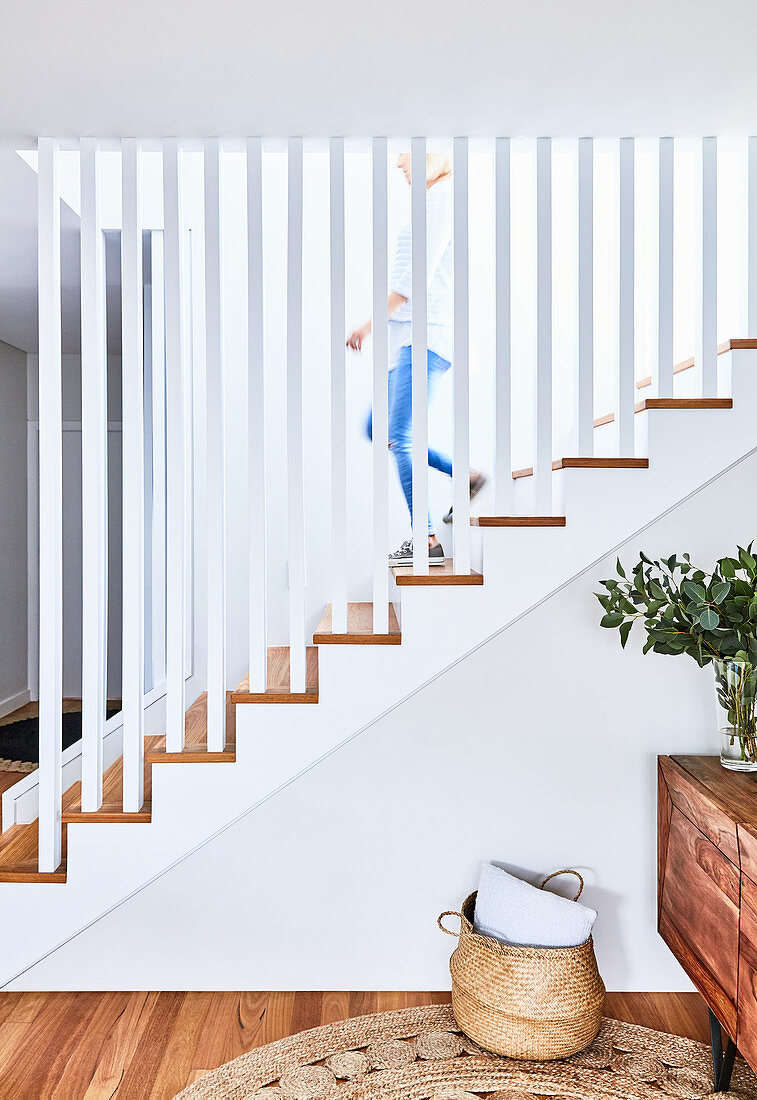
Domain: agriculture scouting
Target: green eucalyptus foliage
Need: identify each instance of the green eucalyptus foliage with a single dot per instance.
(685, 609)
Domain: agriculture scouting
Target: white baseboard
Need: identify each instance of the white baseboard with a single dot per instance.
(13, 702)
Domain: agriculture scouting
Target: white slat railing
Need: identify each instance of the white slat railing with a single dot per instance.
(173, 248)
(94, 440)
(543, 401)
(665, 264)
(216, 444)
(419, 336)
(295, 465)
(256, 420)
(461, 418)
(380, 390)
(706, 339)
(338, 392)
(50, 509)
(626, 387)
(186, 303)
(157, 346)
(750, 266)
(583, 420)
(504, 493)
(133, 495)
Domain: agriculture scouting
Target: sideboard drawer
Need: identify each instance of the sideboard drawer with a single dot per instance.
(699, 913)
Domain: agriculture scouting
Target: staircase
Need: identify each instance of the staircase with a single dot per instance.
(354, 673)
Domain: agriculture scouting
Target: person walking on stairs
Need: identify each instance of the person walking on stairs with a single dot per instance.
(439, 268)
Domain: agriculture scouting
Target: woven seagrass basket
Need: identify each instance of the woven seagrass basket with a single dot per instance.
(535, 1003)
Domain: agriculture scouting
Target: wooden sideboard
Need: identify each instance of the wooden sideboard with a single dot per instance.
(707, 893)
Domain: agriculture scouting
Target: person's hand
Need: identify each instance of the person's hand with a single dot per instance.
(355, 340)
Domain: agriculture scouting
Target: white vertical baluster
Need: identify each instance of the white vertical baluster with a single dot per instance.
(158, 393)
(626, 381)
(543, 403)
(216, 473)
(584, 404)
(50, 509)
(132, 679)
(149, 449)
(503, 473)
(664, 387)
(194, 384)
(706, 342)
(173, 247)
(750, 319)
(419, 351)
(461, 421)
(380, 445)
(338, 392)
(295, 470)
(94, 429)
(258, 634)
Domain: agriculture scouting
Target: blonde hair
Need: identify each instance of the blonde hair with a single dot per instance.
(438, 167)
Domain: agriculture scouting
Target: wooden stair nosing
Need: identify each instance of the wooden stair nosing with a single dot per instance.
(28, 874)
(274, 695)
(359, 628)
(682, 403)
(600, 463)
(436, 576)
(518, 521)
(736, 344)
(191, 756)
(109, 814)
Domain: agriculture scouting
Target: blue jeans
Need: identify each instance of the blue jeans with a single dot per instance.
(401, 421)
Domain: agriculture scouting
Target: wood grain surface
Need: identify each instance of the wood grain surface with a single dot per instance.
(149, 1046)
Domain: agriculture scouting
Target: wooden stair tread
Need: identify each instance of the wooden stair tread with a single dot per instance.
(684, 403)
(19, 855)
(437, 575)
(196, 738)
(671, 403)
(111, 809)
(19, 845)
(278, 680)
(359, 628)
(589, 464)
(517, 521)
(687, 364)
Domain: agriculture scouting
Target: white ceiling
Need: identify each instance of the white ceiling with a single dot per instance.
(191, 68)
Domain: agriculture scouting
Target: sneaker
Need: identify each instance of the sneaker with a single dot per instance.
(404, 556)
(475, 489)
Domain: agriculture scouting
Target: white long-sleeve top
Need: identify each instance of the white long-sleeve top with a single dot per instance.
(439, 274)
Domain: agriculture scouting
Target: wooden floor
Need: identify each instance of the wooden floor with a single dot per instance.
(134, 1046)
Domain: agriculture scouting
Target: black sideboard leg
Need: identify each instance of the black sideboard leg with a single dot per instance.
(722, 1063)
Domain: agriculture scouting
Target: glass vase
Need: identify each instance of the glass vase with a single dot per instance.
(736, 694)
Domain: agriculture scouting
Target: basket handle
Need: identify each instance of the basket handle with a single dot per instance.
(449, 913)
(554, 874)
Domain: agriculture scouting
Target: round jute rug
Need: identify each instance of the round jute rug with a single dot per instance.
(419, 1054)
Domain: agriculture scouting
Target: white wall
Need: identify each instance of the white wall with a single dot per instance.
(538, 750)
(13, 554)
